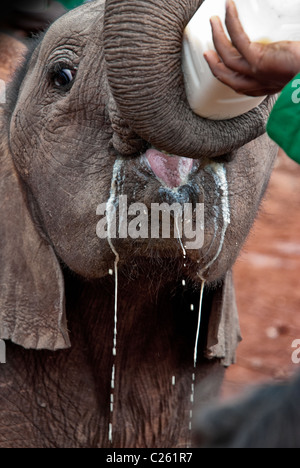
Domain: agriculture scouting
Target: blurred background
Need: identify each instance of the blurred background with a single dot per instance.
(267, 277)
(28, 17)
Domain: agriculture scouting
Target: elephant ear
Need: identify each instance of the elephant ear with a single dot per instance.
(32, 304)
(32, 309)
(224, 332)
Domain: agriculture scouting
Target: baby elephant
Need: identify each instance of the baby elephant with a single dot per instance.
(100, 305)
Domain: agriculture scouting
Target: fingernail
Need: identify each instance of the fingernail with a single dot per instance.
(215, 19)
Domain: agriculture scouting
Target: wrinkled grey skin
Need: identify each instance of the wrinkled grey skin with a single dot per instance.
(58, 150)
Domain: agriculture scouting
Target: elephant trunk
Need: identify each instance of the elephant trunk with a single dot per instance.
(143, 50)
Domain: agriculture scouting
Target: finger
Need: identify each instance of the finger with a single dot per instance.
(228, 53)
(239, 38)
(239, 83)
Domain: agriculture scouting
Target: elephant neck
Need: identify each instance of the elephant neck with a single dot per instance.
(143, 381)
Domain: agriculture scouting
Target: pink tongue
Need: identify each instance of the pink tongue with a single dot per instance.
(172, 170)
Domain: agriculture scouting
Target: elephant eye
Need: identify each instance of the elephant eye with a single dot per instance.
(63, 77)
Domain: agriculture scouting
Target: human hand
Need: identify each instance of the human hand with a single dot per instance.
(250, 68)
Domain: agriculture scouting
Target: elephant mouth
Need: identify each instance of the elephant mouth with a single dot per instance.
(171, 171)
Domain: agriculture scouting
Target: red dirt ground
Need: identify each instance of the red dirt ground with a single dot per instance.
(267, 278)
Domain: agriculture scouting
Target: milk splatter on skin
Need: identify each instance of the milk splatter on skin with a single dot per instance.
(180, 239)
(111, 214)
(218, 171)
(198, 324)
(192, 308)
(192, 397)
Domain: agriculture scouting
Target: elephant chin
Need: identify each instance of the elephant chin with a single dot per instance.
(143, 51)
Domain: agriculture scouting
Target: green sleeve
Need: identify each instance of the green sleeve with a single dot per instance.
(70, 4)
(284, 122)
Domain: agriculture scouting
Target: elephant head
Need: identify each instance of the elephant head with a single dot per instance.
(91, 116)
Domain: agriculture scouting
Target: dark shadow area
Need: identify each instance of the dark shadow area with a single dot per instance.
(24, 18)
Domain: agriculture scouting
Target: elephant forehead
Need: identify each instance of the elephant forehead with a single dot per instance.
(76, 23)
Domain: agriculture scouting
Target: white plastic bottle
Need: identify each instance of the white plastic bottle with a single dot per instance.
(263, 20)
